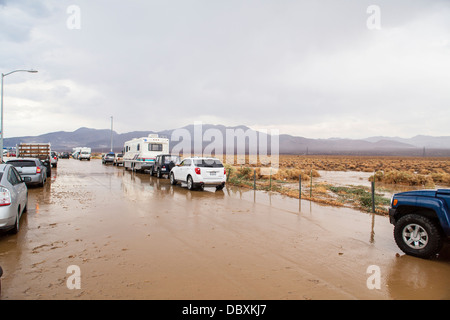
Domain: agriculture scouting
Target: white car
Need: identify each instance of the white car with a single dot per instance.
(199, 173)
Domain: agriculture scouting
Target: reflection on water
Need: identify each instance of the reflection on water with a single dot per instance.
(344, 178)
(414, 278)
(356, 178)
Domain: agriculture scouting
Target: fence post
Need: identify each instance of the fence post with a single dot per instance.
(270, 180)
(254, 179)
(310, 187)
(300, 187)
(373, 196)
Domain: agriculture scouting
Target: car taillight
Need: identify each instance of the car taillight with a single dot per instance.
(197, 170)
(224, 171)
(38, 170)
(5, 197)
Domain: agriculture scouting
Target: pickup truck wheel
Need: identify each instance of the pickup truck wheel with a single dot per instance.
(418, 236)
(172, 179)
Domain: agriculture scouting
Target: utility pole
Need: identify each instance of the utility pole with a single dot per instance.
(1, 110)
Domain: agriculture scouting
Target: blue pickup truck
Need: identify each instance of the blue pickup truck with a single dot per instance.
(421, 221)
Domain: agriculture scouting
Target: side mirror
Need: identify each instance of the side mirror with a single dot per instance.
(26, 179)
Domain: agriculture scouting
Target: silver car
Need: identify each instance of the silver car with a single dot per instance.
(32, 168)
(13, 197)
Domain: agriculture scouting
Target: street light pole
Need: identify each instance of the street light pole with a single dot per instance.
(1, 109)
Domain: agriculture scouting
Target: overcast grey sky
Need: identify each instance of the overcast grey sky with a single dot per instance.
(307, 68)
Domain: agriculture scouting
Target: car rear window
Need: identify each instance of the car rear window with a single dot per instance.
(22, 163)
(168, 159)
(208, 163)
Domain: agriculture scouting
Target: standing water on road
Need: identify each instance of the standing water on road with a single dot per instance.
(133, 236)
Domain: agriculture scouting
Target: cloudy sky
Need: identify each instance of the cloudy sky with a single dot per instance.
(318, 69)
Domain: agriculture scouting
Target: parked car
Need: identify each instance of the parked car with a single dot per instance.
(118, 159)
(64, 155)
(13, 197)
(164, 164)
(108, 158)
(54, 159)
(32, 168)
(199, 172)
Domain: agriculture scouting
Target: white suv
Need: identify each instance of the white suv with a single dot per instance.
(199, 172)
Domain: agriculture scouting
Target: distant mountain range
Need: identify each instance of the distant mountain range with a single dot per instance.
(100, 141)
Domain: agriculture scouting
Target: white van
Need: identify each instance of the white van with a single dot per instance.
(139, 154)
(85, 154)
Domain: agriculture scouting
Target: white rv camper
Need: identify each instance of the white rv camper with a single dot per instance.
(139, 154)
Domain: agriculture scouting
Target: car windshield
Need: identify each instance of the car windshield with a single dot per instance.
(208, 163)
(22, 163)
(169, 159)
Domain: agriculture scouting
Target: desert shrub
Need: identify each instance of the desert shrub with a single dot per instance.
(409, 178)
(294, 173)
(245, 173)
(441, 177)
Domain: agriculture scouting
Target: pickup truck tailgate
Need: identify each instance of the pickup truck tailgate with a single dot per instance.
(24, 167)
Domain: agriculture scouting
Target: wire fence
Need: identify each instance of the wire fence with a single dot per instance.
(301, 184)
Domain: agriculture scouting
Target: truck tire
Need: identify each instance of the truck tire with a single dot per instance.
(418, 236)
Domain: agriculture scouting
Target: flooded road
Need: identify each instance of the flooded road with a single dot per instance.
(133, 236)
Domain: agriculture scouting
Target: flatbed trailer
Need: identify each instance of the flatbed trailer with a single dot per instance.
(41, 151)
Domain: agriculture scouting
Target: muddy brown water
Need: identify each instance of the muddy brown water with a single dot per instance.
(133, 236)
